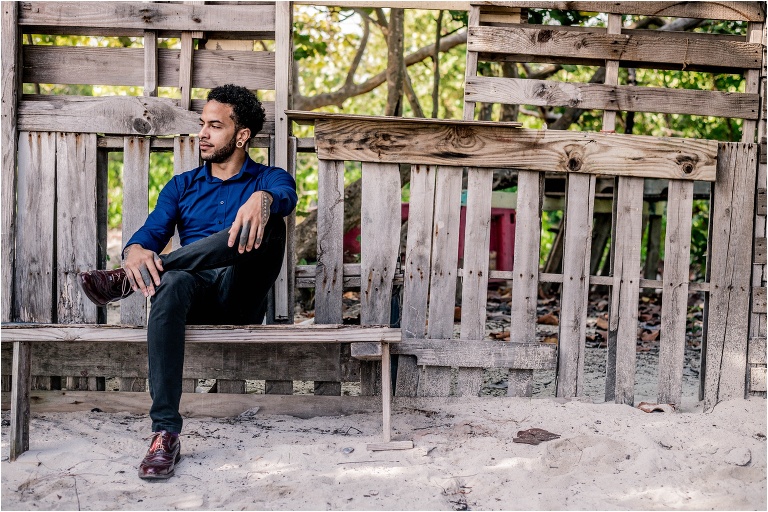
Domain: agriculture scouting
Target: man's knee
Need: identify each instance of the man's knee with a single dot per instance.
(174, 284)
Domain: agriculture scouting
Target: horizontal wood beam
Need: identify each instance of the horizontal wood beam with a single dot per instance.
(518, 91)
(149, 16)
(467, 353)
(744, 11)
(549, 41)
(211, 405)
(125, 66)
(260, 334)
(395, 140)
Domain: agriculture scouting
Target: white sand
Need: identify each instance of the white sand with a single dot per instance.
(609, 457)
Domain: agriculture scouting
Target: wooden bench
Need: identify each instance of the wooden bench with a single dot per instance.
(23, 336)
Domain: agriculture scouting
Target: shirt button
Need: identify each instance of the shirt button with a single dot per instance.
(219, 222)
(221, 202)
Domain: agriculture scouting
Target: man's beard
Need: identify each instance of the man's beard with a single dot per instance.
(222, 154)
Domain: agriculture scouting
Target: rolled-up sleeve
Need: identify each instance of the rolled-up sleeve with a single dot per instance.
(157, 231)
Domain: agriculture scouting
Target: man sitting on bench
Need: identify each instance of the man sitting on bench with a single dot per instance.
(209, 280)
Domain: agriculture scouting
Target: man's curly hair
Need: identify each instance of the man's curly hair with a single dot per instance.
(247, 111)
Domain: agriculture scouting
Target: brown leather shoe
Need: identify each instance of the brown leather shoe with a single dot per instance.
(161, 458)
(105, 286)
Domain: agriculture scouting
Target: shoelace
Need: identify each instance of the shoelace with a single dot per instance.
(126, 287)
(157, 444)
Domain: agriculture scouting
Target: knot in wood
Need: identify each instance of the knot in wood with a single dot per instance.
(574, 163)
(688, 167)
(544, 36)
(142, 126)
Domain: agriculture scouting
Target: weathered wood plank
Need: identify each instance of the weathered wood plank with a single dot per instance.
(148, 16)
(470, 70)
(206, 404)
(21, 369)
(650, 49)
(614, 97)
(625, 293)
(575, 292)
(35, 227)
(76, 230)
(435, 381)
(133, 310)
(330, 257)
(479, 353)
(525, 288)
(264, 334)
(286, 279)
(760, 251)
(416, 272)
(126, 66)
(732, 217)
(757, 379)
(185, 70)
(474, 288)
(489, 146)
(278, 387)
(10, 90)
(186, 156)
(132, 115)
(674, 306)
(151, 64)
(745, 11)
(759, 299)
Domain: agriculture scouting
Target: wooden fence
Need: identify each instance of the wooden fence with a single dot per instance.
(58, 225)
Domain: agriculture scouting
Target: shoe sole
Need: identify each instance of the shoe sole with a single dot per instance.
(163, 477)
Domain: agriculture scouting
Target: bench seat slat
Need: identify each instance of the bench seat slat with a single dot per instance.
(331, 333)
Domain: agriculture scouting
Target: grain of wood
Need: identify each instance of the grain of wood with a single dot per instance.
(185, 69)
(330, 256)
(649, 49)
(76, 231)
(416, 272)
(477, 145)
(575, 291)
(435, 381)
(475, 266)
(20, 407)
(131, 115)
(11, 44)
(151, 66)
(133, 309)
(471, 65)
(186, 156)
(526, 271)
(614, 97)
(35, 224)
(744, 11)
(285, 282)
(149, 16)
(674, 307)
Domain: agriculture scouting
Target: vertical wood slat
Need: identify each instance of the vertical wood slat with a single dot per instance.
(76, 232)
(35, 227)
(580, 202)
(730, 273)
(474, 289)
(674, 307)
(330, 227)
(525, 287)
(20, 390)
(284, 298)
(471, 66)
(282, 155)
(625, 292)
(580, 205)
(418, 255)
(436, 380)
(380, 245)
(133, 310)
(11, 55)
(150, 63)
(186, 156)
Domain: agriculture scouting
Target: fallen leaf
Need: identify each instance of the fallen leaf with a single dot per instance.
(652, 407)
(457, 313)
(548, 319)
(534, 436)
(602, 323)
(650, 336)
(501, 335)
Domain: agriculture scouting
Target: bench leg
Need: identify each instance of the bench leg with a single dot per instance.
(386, 407)
(20, 389)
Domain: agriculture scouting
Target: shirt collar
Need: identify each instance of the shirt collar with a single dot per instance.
(249, 167)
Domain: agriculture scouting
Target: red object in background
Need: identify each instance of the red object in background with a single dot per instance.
(502, 235)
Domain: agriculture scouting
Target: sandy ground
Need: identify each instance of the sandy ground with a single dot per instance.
(608, 457)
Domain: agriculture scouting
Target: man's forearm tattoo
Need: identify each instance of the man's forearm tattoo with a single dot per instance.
(266, 203)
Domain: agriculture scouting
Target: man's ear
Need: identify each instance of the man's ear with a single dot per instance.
(244, 134)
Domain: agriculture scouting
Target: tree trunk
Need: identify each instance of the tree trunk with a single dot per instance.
(395, 63)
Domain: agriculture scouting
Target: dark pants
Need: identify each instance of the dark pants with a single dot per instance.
(206, 283)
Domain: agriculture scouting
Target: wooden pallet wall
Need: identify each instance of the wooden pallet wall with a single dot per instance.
(494, 34)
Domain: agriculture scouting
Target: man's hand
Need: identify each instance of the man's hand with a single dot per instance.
(142, 267)
(250, 222)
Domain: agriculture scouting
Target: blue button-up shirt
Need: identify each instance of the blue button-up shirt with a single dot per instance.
(200, 205)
